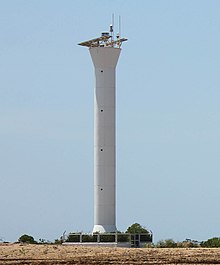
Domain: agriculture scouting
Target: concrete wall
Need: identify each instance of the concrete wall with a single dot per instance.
(104, 60)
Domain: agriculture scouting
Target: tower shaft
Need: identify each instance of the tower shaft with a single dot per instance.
(105, 51)
(105, 61)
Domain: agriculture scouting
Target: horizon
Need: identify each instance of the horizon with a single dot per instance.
(168, 117)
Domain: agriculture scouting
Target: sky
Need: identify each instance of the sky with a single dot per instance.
(168, 116)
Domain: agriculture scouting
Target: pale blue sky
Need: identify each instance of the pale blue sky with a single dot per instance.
(168, 116)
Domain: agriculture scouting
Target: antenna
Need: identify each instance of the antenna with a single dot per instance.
(119, 24)
(107, 38)
(113, 18)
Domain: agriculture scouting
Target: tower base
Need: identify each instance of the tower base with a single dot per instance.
(104, 229)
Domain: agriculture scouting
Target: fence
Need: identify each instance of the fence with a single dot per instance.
(134, 240)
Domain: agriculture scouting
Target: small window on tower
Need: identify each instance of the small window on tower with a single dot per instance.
(101, 150)
(101, 71)
(101, 110)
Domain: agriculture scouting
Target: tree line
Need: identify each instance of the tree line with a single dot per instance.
(138, 229)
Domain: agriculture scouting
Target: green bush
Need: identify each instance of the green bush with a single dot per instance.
(137, 229)
(26, 239)
(167, 243)
(211, 243)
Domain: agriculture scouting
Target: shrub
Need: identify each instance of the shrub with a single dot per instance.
(58, 241)
(188, 243)
(146, 236)
(167, 243)
(26, 239)
(137, 229)
(211, 243)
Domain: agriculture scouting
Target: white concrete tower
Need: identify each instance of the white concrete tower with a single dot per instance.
(105, 52)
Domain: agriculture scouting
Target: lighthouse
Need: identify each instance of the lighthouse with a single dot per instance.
(105, 51)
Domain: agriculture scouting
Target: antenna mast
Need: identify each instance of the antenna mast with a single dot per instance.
(113, 27)
(106, 39)
(119, 24)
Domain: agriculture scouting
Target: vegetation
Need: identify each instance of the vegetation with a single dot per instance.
(124, 237)
(211, 243)
(58, 241)
(170, 243)
(111, 237)
(137, 229)
(134, 229)
(26, 239)
(188, 243)
(167, 243)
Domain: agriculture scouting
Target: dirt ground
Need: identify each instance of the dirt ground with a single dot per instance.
(67, 255)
